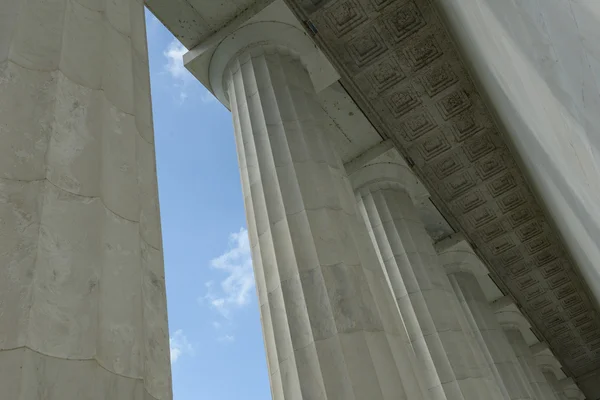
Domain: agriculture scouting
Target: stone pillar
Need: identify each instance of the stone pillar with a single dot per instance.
(463, 267)
(556, 388)
(330, 324)
(422, 291)
(571, 390)
(82, 291)
(513, 322)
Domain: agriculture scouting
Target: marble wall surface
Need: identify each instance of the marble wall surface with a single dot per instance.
(82, 291)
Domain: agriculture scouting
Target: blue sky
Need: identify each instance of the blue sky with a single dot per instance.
(217, 351)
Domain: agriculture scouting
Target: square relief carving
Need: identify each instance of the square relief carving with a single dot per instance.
(403, 22)
(481, 216)
(558, 280)
(402, 101)
(537, 244)
(526, 283)
(501, 245)
(545, 257)
(520, 269)
(511, 258)
(432, 146)
(469, 201)
(423, 52)
(366, 47)
(575, 310)
(381, 4)
(501, 185)
(417, 125)
(448, 166)
(345, 16)
(464, 126)
(490, 166)
(520, 216)
(572, 302)
(511, 201)
(453, 104)
(385, 74)
(459, 184)
(438, 79)
(478, 146)
(491, 231)
(539, 299)
(529, 231)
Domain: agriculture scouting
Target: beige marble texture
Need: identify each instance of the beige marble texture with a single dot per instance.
(513, 322)
(331, 327)
(454, 367)
(82, 291)
(463, 268)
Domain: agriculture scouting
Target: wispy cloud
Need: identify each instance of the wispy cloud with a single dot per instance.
(179, 346)
(236, 289)
(183, 78)
(226, 338)
(174, 54)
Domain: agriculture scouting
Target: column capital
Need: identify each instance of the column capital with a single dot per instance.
(548, 362)
(209, 63)
(501, 303)
(391, 173)
(513, 320)
(457, 255)
(539, 347)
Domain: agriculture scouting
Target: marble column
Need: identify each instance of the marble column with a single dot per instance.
(82, 291)
(513, 322)
(463, 267)
(430, 311)
(330, 325)
(553, 381)
(570, 390)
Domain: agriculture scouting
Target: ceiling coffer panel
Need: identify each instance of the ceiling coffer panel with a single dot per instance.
(399, 64)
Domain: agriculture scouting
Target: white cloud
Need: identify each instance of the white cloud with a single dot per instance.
(236, 289)
(179, 346)
(226, 338)
(174, 54)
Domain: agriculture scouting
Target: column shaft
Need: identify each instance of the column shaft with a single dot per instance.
(534, 374)
(498, 352)
(330, 326)
(551, 379)
(82, 292)
(423, 293)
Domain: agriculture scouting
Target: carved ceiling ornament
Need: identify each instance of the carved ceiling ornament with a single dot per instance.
(398, 63)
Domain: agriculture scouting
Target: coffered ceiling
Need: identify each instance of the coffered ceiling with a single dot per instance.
(399, 64)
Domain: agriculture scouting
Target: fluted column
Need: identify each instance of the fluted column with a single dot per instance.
(571, 391)
(556, 388)
(536, 378)
(82, 292)
(430, 312)
(330, 325)
(462, 267)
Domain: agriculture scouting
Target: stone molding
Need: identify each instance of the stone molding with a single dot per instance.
(386, 175)
(209, 65)
(462, 258)
(513, 320)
